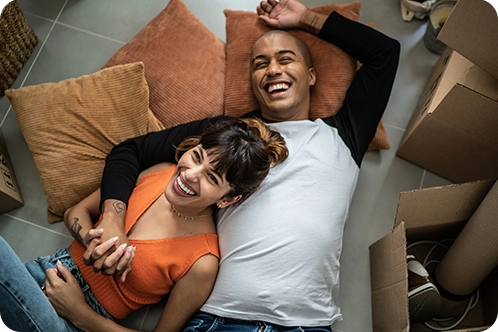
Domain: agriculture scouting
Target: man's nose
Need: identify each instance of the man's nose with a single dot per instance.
(274, 68)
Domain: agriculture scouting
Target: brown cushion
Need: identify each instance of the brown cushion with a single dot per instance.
(71, 126)
(184, 65)
(242, 30)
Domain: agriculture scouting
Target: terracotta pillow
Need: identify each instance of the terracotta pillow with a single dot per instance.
(243, 28)
(184, 65)
(72, 125)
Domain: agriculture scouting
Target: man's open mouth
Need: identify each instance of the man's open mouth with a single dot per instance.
(277, 87)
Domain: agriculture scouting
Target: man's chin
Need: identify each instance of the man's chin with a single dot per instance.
(280, 110)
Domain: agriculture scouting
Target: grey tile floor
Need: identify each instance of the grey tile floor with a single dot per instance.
(77, 37)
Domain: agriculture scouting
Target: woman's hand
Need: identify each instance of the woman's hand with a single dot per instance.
(64, 293)
(119, 262)
(285, 14)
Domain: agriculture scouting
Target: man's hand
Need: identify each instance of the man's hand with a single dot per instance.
(285, 14)
(113, 226)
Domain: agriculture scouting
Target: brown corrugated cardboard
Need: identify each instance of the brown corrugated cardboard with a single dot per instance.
(427, 214)
(10, 194)
(471, 30)
(453, 129)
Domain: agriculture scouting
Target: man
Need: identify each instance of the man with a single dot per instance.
(280, 249)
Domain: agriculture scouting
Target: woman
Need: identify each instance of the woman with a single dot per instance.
(170, 212)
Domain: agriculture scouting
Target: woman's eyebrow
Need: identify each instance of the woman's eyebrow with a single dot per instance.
(201, 152)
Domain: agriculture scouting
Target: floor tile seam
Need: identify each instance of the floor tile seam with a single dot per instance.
(394, 127)
(143, 318)
(95, 34)
(41, 17)
(422, 180)
(36, 225)
(5, 116)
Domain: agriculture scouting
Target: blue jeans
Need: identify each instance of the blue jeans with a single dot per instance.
(204, 322)
(23, 305)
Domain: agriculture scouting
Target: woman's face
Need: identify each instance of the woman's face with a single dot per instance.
(195, 182)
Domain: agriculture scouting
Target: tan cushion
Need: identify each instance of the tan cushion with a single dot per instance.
(71, 126)
(184, 65)
(334, 76)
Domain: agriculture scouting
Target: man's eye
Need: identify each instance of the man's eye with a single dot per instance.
(285, 60)
(259, 65)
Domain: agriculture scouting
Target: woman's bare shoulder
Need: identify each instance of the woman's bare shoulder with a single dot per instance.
(155, 168)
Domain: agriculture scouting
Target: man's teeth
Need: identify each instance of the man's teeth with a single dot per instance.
(279, 86)
(184, 188)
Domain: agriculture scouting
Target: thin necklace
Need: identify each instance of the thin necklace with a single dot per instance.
(190, 217)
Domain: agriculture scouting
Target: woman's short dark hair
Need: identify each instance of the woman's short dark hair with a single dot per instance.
(243, 149)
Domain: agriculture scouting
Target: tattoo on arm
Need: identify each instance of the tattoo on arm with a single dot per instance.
(314, 23)
(119, 206)
(76, 229)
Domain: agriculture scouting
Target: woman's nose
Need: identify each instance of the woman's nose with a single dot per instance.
(192, 174)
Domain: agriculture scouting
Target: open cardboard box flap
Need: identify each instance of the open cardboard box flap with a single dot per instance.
(453, 129)
(471, 30)
(424, 214)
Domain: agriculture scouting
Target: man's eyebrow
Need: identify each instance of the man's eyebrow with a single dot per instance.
(286, 51)
(263, 56)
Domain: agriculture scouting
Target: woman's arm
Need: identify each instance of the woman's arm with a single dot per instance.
(79, 219)
(189, 294)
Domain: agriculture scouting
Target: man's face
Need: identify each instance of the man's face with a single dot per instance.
(281, 78)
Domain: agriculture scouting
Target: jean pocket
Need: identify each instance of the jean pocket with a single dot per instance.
(193, 325)
(199, 323)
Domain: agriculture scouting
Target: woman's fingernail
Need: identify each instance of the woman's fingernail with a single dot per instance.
(114, 239)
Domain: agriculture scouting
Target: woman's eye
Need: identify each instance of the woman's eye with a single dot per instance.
(197, 156)
(213, 178)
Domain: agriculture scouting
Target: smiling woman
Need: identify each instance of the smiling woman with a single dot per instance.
(172, 243)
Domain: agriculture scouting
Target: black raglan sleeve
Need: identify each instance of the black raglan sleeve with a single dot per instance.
(127, 159)
(368, 95)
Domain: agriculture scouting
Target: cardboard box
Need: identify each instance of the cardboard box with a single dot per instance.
(427, 214)
(471, 29)
(453, 129)
(10, 194)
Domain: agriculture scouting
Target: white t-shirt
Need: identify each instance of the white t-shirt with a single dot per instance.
(280, 248)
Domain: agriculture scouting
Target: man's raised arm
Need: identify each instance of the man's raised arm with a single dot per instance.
(123, 165)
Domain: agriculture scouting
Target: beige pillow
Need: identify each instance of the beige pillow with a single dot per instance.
(184, 65)
(243, 28)
(71, 126)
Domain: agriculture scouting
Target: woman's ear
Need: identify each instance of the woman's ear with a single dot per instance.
(227, 201)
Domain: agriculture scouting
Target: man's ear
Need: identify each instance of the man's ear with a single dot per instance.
(312, 75)
(227, 201)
